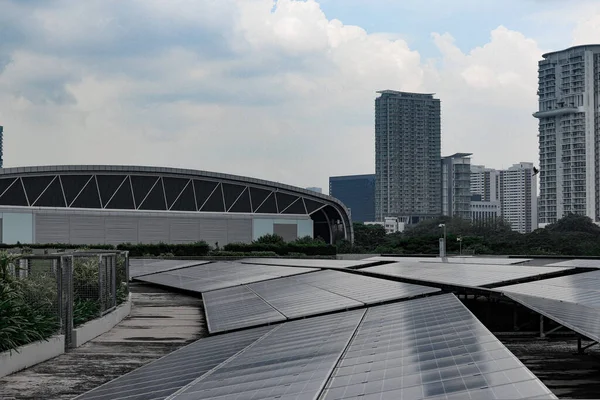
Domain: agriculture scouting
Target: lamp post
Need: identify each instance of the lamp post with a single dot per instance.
(459, 240)
(443, 248)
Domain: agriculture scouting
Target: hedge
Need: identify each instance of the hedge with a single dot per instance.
(179, 250)
(58, 246)
(283, 249)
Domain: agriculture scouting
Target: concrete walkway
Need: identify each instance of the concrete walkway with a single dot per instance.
(160, 322)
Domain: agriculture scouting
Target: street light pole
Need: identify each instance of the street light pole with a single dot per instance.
(459, 245)
(443, 250)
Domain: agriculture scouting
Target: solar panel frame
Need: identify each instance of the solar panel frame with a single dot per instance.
(572, 301)
(294, 360)
(579, 263)
(428, 347)
(465, 275)
(218, 275)
(310, 262)
(304, 295)
(163, 377)
(237, 307)
(295, 300)
(453, 260)
(141, 267)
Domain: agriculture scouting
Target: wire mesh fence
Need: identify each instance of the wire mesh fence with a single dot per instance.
(56, 293)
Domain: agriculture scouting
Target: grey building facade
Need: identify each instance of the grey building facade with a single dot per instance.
(1, 147)
(485, 182)
(518, 197)
(456, 185)
(357, 192)
(407, 156)
(119, 204)
(569, 133)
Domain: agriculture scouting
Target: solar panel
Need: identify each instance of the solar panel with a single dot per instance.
(219, 275)
(572, 301)
(236, 307)
(300, 296)
(166, 375)
(454, 260)
(294, 299)
(139, 267)
(365, 289)
(577, 263)
(309, 262)
(463, 274)
(431, 347)
(292, 361)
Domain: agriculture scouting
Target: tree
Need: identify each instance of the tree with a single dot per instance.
(368, 237)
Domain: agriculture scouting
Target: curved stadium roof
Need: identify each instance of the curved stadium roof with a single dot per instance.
(130, 188)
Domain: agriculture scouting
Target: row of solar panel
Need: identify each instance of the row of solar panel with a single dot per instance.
(218, 275)
(573, 300)
(431, 347)
(300, 296)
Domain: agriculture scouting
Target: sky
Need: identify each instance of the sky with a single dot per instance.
(279, 90)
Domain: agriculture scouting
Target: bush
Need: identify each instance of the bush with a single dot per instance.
(283, 249)
(20, 323)
(270, 239)
(84, 311)
(197, 249)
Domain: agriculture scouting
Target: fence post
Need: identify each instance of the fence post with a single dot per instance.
(127, 270)
(100, 284)
(66, 268)
(113, 273)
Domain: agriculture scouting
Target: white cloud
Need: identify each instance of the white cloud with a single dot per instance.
(253, 87)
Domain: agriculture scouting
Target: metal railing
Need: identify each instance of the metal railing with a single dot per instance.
(72, 288)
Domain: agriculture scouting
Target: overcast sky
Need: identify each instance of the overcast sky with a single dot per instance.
(280, 90)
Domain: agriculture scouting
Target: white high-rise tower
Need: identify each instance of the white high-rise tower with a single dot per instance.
(569, 133)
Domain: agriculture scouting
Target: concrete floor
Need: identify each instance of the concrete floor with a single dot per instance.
(566, 373)
(160, 322)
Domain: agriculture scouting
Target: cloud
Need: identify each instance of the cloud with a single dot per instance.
(271, 89)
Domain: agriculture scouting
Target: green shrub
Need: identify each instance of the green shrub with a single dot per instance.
(317, 249)
(270, 239)
(20, 323)
(84, 311)
(197, 249)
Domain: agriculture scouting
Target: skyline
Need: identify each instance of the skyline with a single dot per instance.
(157, 84)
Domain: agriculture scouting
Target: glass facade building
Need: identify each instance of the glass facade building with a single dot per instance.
(357, 192)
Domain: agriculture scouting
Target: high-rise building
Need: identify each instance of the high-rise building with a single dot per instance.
(1, 147)
(407, 156)
(357, 192)
(518, 197)
(315, 189)
(569, 133)
(485, 182)
(456, 185)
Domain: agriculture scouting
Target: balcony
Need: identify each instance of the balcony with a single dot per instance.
(556, 112)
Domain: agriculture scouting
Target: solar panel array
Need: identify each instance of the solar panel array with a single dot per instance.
(219, 275)
(165, 376)
(237, 307)
(300, 296)
(430, 347)
(453, 260)
(291, 362)
(463, 274)
(577, 263)
(308, 262)
(572, 301)
(139, 266)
